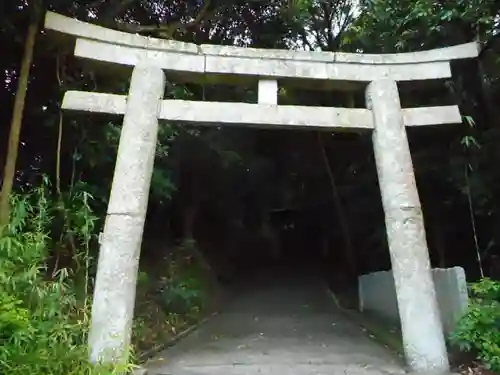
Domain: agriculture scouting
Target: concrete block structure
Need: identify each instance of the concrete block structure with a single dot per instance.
(377, 294)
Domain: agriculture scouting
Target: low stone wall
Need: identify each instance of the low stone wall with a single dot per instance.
(377, 294)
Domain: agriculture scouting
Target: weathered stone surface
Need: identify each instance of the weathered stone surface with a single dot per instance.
(243, 66)
(265, 115)
(461, 51)
(431, 115)
(333, 70)
(452, 306)
(260, 115)
(125, 55)
(74, 27)
(95, 102)
(98, 43)
(421, 326)
(114, 294)
(259, 67)
(377, 294)
(71, 26)
(267, 91)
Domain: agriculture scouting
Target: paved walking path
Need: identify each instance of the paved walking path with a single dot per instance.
(288, 326)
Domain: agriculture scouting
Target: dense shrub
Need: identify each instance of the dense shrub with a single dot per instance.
(43, 320)
(479, 329)
(183, 289)
(45, 286)
(168, 303)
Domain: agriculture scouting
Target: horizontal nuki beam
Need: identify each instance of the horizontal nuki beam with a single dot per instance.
(267, 116)
(112, 46)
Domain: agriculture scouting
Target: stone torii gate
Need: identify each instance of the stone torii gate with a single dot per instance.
(114, 295)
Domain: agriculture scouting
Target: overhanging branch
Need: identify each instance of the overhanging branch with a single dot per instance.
(168, 30)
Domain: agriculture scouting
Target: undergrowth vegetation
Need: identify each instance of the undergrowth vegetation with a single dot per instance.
(46, 278)
(171, 300)
(478, 331)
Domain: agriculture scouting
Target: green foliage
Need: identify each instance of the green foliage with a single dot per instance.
(396, 25)
(298, 9)
(162, 186)
(13, 316)
(183, 290)
(171, 296)
(181, 296)
(479, 329)
(43, 323)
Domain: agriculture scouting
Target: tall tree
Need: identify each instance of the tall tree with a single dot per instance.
(17, 114)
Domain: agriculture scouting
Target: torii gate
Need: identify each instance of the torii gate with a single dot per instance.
(114, 295)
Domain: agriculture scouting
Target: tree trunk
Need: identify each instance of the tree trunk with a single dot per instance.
(188, 222)
(17, 115)
(270, 237)
(188, 219)
(344, 226)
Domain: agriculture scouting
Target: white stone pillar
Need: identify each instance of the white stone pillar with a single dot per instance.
(115, 289)
(421, 326)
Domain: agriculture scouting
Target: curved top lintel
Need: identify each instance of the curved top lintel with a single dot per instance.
(74, 27)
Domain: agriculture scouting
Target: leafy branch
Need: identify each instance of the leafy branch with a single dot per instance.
(167, 31)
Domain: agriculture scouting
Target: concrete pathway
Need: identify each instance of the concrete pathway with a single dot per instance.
(288, 326)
